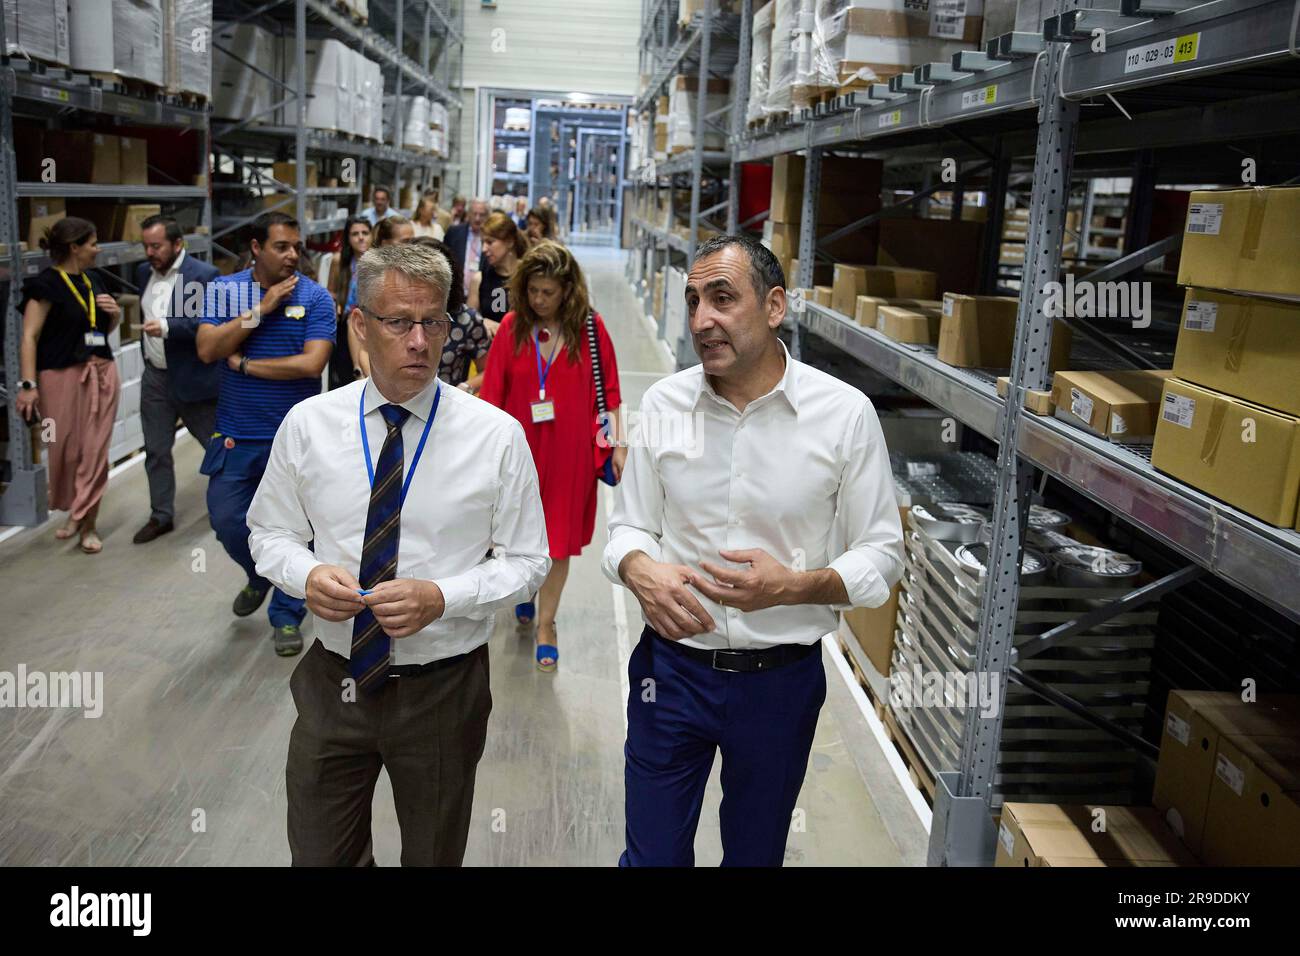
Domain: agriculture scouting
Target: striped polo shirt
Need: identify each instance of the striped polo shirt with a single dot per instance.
(252, 408)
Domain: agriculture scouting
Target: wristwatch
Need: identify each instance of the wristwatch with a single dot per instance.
(27, 385)
(243, 365)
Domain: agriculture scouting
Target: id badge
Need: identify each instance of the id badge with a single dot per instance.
(543, 411)
(95, 339)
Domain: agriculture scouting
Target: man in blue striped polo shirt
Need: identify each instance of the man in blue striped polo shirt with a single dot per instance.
(275, 330)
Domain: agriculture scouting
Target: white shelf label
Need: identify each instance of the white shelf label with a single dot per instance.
(890, 119)
(1183, 49)
(1117, 424)
(1201, 316)
(1204, 218)
(1006, 838)
(984, 96)
(948, 19)
(50, 93)
(1230, 774)
(1080, 405)
(1178, 409)
(1178, 728)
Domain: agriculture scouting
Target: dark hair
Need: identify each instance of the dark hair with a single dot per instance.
(381, 189)
(382, 233)
(261, 227)
(546, 216)
(550, 260)
(456, 294)
(174, 232)
(765, 272)
(343, 270)
(501, 226)
(64, 234)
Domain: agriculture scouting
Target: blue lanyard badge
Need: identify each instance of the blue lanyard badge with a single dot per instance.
(543, 373)
(419, 449)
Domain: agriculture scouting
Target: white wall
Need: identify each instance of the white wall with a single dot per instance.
(580, 46)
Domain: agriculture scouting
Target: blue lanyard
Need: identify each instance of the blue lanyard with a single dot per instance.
(542, 374)
(419, 450)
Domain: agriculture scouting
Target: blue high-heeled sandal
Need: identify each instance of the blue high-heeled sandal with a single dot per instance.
(524, 613)
(548, 652)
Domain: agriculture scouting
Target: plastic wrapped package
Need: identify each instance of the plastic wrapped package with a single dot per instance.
(238, 92)
(782, 62)
(810, 76)
(90, 35)
(760, 63)
(38, 29)
(187, 62)
(865, 41)
(138, 40)
(682, 113)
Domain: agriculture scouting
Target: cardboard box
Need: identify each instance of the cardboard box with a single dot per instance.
(887, 282)
(951, 249)
(84, 157)
(980, 332)
(868, 306)
(36, 214)
(874, 626)
(783, 239)
(1243, 239)
(1194, 723)
(822, 295)
(915, 325)
(850, 189)
(133, 159)
(1120, 405)
(1242, 346)
(1253, 814)
(1039, 403)
(1030, 833)
(131, 318)
(823, 273)
(1235, 450)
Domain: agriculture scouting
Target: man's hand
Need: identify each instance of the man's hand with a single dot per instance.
(153, 327)
(403, 606)
(233, 360)
(332, 593)
(765, 583)
(273, 296)
(666, 601)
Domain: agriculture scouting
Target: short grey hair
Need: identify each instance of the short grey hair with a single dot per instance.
(419, 263)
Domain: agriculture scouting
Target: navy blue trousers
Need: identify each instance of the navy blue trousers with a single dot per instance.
(233, 477)
(679, 712)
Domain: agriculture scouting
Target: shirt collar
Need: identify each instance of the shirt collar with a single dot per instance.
(787, 386)
(420, 406)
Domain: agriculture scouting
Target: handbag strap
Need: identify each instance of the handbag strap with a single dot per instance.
(596, 371)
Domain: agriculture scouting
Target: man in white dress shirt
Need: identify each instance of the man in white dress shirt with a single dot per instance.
(403, 596)
(740, 550)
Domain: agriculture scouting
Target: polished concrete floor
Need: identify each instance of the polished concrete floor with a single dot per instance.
(186, 764)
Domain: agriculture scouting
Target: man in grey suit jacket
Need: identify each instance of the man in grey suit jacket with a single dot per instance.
(176, 383)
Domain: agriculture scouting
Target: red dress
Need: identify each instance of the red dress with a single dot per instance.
(563, 449)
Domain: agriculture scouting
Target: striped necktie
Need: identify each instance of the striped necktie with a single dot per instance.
(371, 646)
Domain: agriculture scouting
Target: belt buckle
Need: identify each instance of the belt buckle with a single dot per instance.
(728, 670)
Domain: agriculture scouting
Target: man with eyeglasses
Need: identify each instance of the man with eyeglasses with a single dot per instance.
(379, 504)
(275, 330)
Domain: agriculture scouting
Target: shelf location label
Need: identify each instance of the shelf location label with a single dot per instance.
(52, 94)
(893, 118)
(1182, 49)
(984, 96)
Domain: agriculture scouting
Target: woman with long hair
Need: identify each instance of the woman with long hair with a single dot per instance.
(468, 340)
(425, 218)
(343, 287)
(541, 225)
(68, 375)
(539, 370)
(503, 247)
(386, 232)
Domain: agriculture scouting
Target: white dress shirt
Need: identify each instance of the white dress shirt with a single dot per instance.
(473, 252)
(802, 473)
(156, 304)
(475, 488)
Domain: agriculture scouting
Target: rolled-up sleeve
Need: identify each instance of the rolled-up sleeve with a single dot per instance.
(867, 515)
(636, 523)
(279, 530)
(520, 552)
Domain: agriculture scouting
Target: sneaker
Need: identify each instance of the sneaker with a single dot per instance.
(288, 640)
(152, 529)
(249, 600)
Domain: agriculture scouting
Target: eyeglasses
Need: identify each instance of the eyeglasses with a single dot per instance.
(400, 327)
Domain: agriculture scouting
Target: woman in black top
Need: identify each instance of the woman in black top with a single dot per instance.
(503, 247)
(468, 340)
(69, 381)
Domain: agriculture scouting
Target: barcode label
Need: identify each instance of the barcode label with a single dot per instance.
(947, 19)
(1230, 774)
(1117, 424)
(890, 119)
(1006, 838)
(1178, 728)
(1201, 316)
(947, 305)
(1178, 409)
(1204, 218)
(1080, 405)
(984, 96)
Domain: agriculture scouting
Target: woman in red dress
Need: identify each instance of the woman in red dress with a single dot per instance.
(539, 370)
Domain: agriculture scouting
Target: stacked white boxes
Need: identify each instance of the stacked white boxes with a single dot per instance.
(782, 61)
(238, 92)
(137, 37)
(329, 87)
(372, 99)
(90, 35)
(37, 29)
(760, 63)
(187, 46)
(682, 99)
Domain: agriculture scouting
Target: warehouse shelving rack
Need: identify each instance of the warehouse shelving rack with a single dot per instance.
(1233, 79)
(48, 90)
(432, 29)
(713, 45)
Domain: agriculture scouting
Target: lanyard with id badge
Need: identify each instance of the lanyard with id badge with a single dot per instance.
(94, 338)
(543, 409)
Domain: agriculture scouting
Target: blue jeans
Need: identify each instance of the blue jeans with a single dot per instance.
(763, 723)
(233, 477)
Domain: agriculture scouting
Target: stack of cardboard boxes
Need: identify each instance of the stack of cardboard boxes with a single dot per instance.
(1230, 417)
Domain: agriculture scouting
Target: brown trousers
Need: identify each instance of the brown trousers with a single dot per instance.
(82, 402)
(427, 730)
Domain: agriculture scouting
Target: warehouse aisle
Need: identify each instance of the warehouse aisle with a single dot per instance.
(186, 764)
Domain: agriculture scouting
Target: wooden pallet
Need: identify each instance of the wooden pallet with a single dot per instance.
(916, 769)
(876, 703)
(130, 86)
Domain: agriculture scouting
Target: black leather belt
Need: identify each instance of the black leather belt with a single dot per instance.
(746, 661)
(412, 670)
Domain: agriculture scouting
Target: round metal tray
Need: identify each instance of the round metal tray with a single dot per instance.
(974, 558)
(950, 521)
(1087, 566)
(1048, 540)
(1045, 519)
